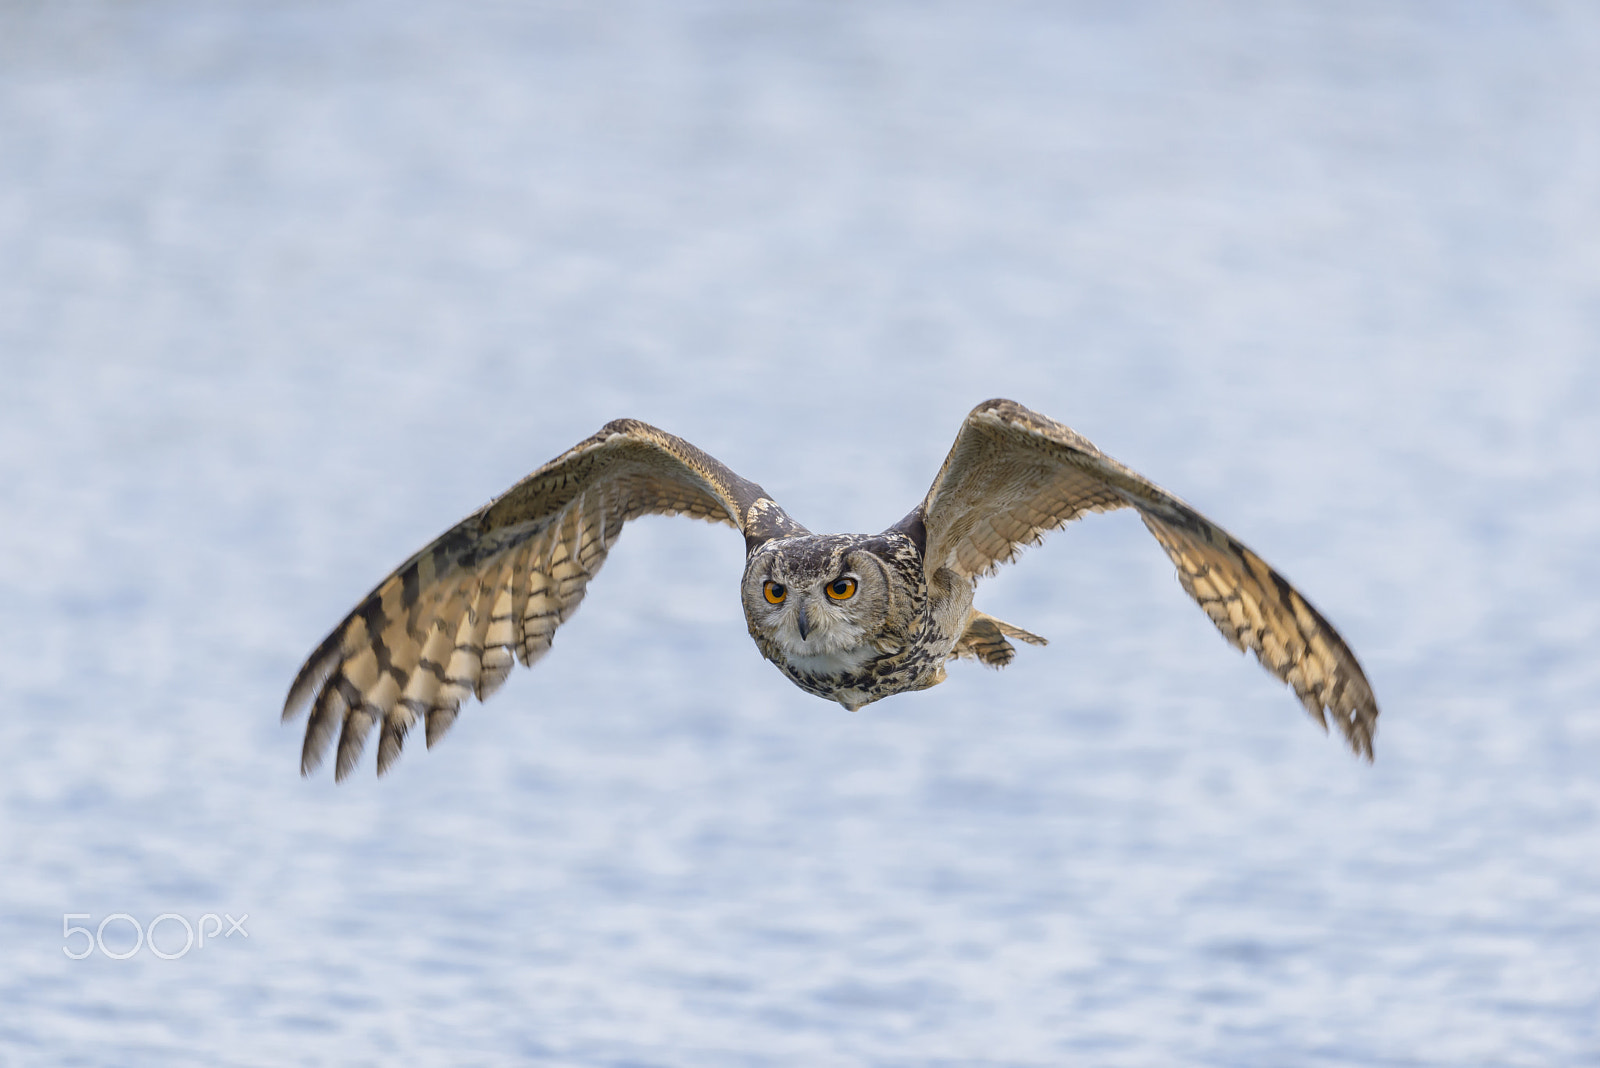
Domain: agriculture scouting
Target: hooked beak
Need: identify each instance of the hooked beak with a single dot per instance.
(803, 623)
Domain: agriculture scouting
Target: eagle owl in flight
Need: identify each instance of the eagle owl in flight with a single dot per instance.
(852, 618)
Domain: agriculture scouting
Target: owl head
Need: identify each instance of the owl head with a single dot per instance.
(820, 601)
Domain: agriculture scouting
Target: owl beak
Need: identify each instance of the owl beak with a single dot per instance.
(803, 623)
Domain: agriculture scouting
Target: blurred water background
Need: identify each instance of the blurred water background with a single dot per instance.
(287, 289)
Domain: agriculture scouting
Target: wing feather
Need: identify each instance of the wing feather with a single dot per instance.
(493, 589)
(1013, 475)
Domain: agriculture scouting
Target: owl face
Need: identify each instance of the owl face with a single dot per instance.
(818, 601)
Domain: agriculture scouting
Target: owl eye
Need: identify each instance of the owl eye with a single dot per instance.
(842, 589)
(774, 592)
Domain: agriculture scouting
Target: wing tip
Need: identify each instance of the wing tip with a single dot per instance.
(1357, 720)
(391, 742)
(351, 741)
(317, 669)
(439, 720)
(327, 712)
(1360, 729)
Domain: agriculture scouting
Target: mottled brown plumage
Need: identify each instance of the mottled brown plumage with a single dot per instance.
(852, 618)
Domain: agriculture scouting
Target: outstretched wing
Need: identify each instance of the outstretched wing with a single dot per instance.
(1014, 475)
(448, 622)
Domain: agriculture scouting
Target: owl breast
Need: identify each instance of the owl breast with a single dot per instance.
(844, 662)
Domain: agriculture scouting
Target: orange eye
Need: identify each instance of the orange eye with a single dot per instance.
(842, 589)
(775, 592)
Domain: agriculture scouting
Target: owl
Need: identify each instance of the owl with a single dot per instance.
(851, 618)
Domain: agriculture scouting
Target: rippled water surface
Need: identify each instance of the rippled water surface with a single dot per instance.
(287, 289)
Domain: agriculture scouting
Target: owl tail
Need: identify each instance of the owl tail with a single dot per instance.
(984, 639)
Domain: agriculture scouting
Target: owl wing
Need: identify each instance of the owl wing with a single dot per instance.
(448, 621)
(1013, 475)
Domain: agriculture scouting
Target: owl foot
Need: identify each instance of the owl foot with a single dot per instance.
(984, 639)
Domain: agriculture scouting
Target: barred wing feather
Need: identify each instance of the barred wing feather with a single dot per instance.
(450, 621)
(1013, 475)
